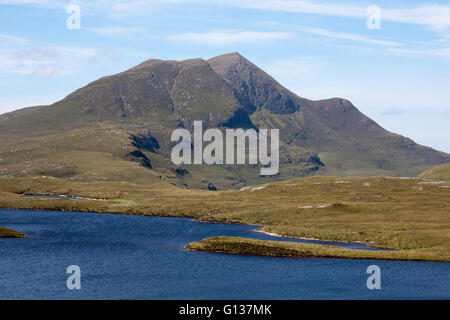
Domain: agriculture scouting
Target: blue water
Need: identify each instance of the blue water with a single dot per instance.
(50, 196)
(132, 257)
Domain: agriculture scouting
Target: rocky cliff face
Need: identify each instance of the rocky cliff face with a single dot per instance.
(254, 88)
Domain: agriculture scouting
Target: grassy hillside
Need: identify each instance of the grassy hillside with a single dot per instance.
(440, 173)
(409, 215)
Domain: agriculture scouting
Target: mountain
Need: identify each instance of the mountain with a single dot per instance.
(118, 128)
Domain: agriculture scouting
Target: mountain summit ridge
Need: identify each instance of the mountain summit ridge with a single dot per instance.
(91, 134)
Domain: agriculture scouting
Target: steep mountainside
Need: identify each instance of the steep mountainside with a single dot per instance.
(118, 128)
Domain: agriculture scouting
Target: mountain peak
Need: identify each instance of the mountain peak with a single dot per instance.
(223, 63)
(145, 64)
(152, 62)
(255, 88)
(231, 55)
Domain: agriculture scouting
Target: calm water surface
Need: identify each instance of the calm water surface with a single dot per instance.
(131, 257)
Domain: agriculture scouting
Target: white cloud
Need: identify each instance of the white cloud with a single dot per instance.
(442, 52)
(60, 61)
(131, 8)
(57, 61)
(44, 71)
(432, 16)
(435, 17)
(112, 8)
(444, 39)
(348, 36)
(136, 33)
(10, 39)
(293, 68)
(302, 6)
(226, 37)
(31, 2)
(49, 4)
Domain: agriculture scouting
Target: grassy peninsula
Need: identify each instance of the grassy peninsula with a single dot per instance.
(243, 246)
(8, 233)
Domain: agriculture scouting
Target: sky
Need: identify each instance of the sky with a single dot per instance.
(391, 58)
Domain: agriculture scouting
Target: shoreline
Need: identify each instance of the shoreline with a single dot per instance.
(359, 218)
(194, 219)
(273, 234)
(314, 250)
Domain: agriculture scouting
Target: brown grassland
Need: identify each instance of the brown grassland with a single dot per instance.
(409, 215)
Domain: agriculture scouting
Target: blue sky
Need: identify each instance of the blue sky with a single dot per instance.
(399, 75)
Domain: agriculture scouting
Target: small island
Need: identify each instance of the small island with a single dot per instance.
(8, 233)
